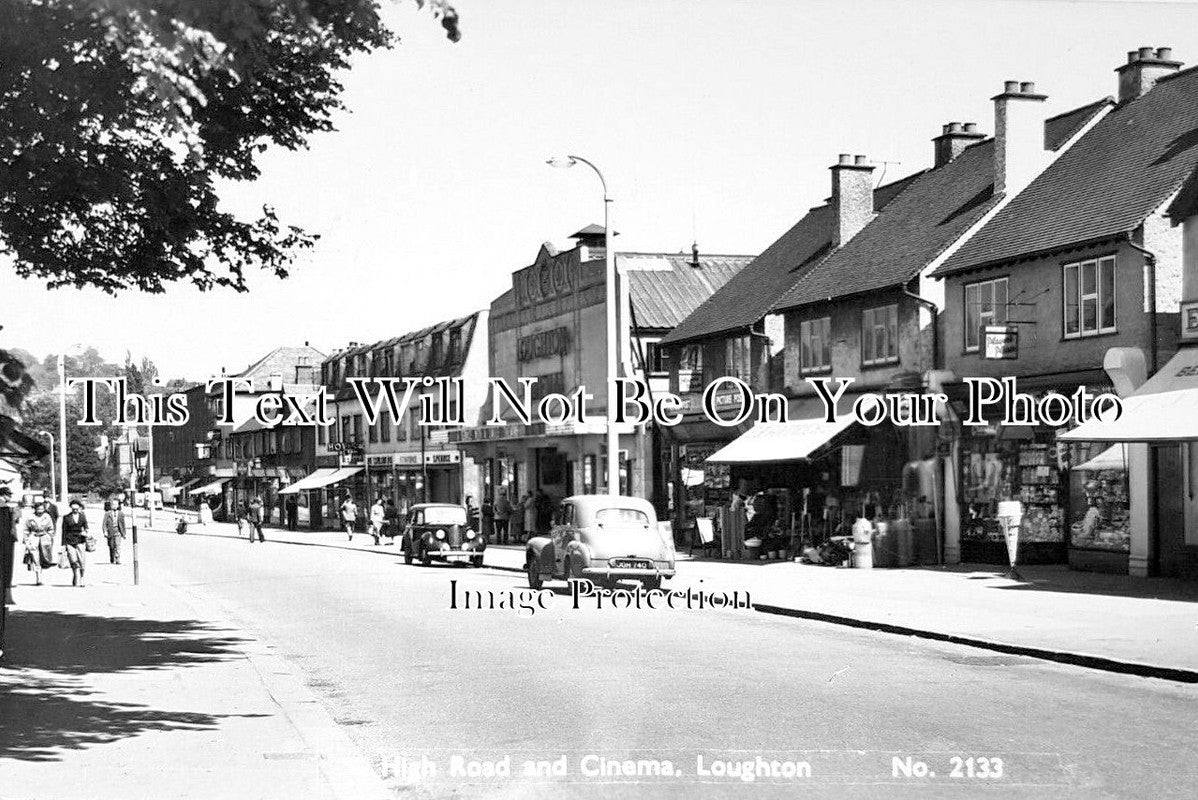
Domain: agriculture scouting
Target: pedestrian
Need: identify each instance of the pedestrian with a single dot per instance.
(544, 511)
(74, 540)
(39, 541)
(471, 513)
(257, 516)
(516, 522)
(292, 513)
(52, 510)
(529, 506)
(487, 516)
(349, 516)
(390, 520)
(205, 513)
(113, 528)
(378, 517)
(503, 516)
(243, 521)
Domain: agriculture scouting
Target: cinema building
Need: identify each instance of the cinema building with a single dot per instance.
(551, 326)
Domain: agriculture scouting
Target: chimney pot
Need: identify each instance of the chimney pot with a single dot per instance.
(1011, 87)
(1143, 69)
(861, 161)
(952, 142)
(846, 159)
(953, 127)
(971, 127)
(1027, 87)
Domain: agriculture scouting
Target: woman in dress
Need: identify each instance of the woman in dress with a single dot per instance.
(39, 541)
(74, 541)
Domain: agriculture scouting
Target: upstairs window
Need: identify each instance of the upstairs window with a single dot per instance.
(690, 369)
(985, 304)
(653, 359)
(879, 335)
(815, 344)
(1089, 298)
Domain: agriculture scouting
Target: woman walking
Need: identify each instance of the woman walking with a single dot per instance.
(378, 518)
(74, 541)
(39, 541)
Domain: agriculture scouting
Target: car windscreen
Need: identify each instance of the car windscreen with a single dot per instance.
(446, 515)
(621, 517)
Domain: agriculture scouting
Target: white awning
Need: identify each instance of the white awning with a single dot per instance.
(211, 488)
(1164, 409)
(326, 476)
(1113, 458)
(781, 441)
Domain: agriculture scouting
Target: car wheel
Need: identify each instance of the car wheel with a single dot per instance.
(476, 561)
(652, 584)
(534, 574)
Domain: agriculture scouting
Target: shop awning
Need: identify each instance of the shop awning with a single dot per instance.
(1113, 458)
(321, 477)
(782, 441)
(1162, 410)
(211, 488)
(189, 484)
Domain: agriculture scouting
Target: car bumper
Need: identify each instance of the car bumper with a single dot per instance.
(607, 573)
(452, 554)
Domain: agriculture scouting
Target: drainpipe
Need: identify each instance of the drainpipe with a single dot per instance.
(932, 307)
(1149, 297)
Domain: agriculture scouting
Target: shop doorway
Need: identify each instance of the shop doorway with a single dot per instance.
(1169, 530)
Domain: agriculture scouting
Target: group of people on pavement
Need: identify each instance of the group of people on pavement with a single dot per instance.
(383, 519)
(507, 521)
(37, 524)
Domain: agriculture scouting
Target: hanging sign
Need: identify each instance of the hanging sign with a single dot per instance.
(1189, 321)
(1000, 342)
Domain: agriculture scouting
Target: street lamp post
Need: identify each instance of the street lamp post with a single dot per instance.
(62, 427)
(613, 439)
(50, 436)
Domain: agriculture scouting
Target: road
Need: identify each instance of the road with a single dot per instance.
(410, 678)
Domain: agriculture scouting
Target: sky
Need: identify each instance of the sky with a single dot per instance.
(713, 121)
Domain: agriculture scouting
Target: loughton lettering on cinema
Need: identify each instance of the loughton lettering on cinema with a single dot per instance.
(990, 401)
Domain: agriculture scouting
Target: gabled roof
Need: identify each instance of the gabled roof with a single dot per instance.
(1186, 203)
(665, 288)
(750, 295)
(937, 207)
(281, 361)
(1104, 186)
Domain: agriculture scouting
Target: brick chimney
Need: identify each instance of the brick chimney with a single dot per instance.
(852, 197)
(1143, 69)
(953, 141)
(1018, 136)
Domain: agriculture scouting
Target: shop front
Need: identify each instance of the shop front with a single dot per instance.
(403, 477)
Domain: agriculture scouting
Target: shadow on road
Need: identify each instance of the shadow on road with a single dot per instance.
(46, 704)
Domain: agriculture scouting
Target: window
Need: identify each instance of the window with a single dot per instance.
(455, 345)
(1089, 298)
(357, 428)
(320, 435)
(385, 426)
(653, 359)
(985, 304)
(815, 344)
(879, 335)
(737, 359)
(690, 369)
(374, 431)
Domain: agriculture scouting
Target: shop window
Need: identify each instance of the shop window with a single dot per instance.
(737, 361)
(1089, 298)
(879, 335)
(815, 344)
(690, 369)
(985, 304)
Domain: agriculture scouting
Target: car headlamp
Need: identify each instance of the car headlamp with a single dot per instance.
(470, 534)
(440, 534)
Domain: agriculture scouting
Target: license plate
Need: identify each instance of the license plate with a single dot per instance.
(628, 563)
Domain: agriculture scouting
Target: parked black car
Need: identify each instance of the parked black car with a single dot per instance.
(440, 531)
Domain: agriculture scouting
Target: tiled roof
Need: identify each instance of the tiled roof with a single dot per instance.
(669, 289)
(750, 294)
(936, 208)
(1058, 129)
(281, 361)
(1104, 186)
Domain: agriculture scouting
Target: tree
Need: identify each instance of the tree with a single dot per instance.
(85, 470)
(118, 117)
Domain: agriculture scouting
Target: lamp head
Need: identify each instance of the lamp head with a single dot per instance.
(562, 162)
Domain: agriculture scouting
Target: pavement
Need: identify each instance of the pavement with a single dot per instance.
(1141, 626)
(121, 691)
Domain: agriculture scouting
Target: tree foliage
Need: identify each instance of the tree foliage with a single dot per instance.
(118, 117)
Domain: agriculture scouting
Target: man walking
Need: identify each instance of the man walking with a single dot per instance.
(503, 516)
(292, 513)
(349, 516)
(257, 516)
(114, 530)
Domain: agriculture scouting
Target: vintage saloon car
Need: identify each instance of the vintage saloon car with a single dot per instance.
(440, 531)
(602, 538)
